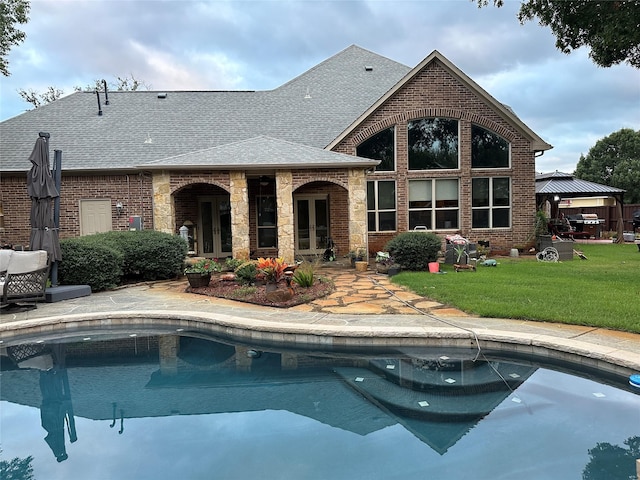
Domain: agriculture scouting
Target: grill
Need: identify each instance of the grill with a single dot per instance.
(585, 225)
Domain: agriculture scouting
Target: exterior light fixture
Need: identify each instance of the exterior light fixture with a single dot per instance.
(119, 208)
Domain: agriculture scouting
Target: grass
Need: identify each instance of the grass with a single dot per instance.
(602, 291)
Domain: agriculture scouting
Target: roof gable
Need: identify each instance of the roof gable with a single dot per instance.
(537, 144)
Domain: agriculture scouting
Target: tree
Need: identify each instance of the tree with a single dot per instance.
(17, 469)
(12, 12)
(37, 99)
(609, 28)
(614, 161)
(52, 94)
(121, 84)
(612, 461)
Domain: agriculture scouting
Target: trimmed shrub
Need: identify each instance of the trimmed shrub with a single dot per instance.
(106, 260)
(414, 250)
(148, 255)
(86, 261)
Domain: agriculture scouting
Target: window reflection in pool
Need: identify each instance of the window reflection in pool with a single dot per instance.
(170, 406)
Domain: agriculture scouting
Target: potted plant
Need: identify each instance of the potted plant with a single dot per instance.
(271, 270)
(386, 264)
(357, 255)
(199, 272)
(461, 254)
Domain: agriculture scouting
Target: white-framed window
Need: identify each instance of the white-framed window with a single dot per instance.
(381, 205)
(433, 144)
(491, 202)
(267, 221)
(434, 203)
(380, 146)
(488, 149)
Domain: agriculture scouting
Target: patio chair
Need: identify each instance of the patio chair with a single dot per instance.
(23, 276)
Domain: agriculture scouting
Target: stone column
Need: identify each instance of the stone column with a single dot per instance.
(358, 237)
(169, 346)
(239, 198)
(284, 202)
(243, 360)
(163, 209)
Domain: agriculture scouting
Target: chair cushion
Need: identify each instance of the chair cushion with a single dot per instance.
(23, 262)
(5, 257)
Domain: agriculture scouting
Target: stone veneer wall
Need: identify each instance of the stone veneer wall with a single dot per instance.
(163, 209)
(358, 237)
(239, 197)
(284, 198)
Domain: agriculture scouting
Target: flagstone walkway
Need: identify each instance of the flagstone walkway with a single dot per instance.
(369, 293)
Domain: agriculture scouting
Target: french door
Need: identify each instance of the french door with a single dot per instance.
(214, 234)
(312, 224)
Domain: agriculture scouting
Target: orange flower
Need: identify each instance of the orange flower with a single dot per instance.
(272, 268)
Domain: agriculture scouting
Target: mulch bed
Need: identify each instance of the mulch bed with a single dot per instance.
(258, 295)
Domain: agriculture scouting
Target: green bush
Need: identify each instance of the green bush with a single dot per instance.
(86, 261)
(246, 273)
(148, 255)
(105, 260)
(304, 275)
(414, 250)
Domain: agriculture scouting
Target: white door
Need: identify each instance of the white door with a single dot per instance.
(214, 232)
(95, 216)
(312, 224)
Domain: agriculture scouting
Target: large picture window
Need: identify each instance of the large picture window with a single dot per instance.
(491, 202)
(381, 206)
(434, 204)
(488, 150)
(267, 222)
(380, 146)
(433, 144)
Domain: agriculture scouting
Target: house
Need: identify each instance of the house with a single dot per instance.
(354, 150)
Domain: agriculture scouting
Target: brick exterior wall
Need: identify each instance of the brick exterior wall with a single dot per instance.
(436, 93)
(133, 190)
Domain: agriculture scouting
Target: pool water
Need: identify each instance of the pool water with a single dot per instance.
(171, 407)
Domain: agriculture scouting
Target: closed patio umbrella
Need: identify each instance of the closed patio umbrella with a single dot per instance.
(42, 190)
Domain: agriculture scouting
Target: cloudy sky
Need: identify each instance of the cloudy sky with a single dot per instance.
(258, 45)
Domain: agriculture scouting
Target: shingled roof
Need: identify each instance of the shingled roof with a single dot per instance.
(145, 127)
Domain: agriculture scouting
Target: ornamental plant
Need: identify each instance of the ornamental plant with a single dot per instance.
(271, 269)
(204, 266)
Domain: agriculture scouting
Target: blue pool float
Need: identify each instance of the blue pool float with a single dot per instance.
(634, 380)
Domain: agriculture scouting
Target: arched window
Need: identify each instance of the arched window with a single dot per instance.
(488, 150)
(380, 146)
(433, 144)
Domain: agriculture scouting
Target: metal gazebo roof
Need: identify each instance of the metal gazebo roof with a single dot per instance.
(564, 184)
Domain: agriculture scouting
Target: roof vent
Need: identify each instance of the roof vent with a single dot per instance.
(162, 95)
(368, 68)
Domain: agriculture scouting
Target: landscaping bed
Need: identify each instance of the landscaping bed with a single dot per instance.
(282, 297)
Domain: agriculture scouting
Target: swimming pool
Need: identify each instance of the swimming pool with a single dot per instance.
(174, 406)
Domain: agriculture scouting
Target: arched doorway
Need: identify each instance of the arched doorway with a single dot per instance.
(206, 211)
(320, 216)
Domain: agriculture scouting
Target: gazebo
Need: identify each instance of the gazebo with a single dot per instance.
(555, 186)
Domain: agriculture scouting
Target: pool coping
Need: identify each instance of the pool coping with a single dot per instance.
(325, 336)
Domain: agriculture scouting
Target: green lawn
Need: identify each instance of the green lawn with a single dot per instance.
(602, 291)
